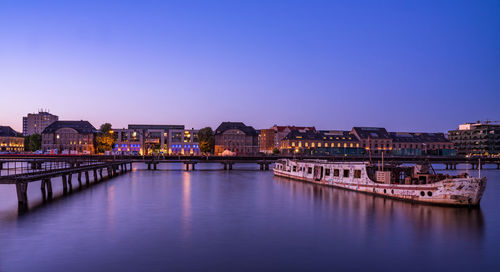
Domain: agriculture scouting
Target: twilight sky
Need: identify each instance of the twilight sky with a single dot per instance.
(405, 65)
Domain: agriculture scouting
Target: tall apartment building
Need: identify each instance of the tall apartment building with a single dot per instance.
(35, 123)
(476, 138)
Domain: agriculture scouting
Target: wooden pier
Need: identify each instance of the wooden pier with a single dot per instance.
(64, 168)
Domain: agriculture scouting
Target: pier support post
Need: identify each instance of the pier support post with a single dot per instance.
(22, 195)
(154, 166)
(65, 184)
(267, 167)
(225, 166)
(261, 166)
(149, 166)
(87, 179)
(480, 166)
(79, 177)
(130, 166)
(95, 175)
(70, 176)
(100, 173)
(186, 166)
(42, 188)
(498, 166)
(48, 183)
(447, 166)
(192, 166)
(230, 166)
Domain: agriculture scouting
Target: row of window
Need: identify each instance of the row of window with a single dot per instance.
(336, 172)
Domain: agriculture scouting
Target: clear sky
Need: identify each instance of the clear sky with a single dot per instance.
(405, 65)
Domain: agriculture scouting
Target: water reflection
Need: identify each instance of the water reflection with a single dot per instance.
(186, 205)
(367, 214)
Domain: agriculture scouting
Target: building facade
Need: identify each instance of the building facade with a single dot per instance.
(418, 144)
(35, 123)
(157, 139)
(478, 138)
(69, 137)
(322, 143)
(237, 138)
(11, 140)
(374, 140)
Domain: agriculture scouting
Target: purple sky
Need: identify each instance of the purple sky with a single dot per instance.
(404, 65)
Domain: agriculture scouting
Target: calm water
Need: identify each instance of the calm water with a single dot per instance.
(243, 220)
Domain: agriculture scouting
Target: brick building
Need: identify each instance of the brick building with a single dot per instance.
(69, 137)
(237, 138)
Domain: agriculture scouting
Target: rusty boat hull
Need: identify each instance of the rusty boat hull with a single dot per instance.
(452, 191)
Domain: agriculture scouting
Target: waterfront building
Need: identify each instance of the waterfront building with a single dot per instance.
(35, 123)
(374, 140)
(323, 142)
(476, 138)
(417, 144)
(69, 137)
(10, 140)
(157, 139)
(266, 140)
(237, 138)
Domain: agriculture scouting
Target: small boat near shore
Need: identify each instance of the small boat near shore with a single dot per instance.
(418, 183)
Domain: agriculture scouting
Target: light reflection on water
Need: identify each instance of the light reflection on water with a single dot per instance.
(241, 220)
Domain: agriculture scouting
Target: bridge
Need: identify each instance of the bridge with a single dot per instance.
(22, 170)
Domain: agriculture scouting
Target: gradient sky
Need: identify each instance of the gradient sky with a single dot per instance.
(405, 65)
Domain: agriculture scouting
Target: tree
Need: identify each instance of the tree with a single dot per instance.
(33, 142)
(276, 151)
(206, 139)
(105, 139)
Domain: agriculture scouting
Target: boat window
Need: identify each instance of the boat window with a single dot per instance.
(327, 172)
(357, 173)
(294, 168)
(309, 170)
(346, 173)
(336, 172)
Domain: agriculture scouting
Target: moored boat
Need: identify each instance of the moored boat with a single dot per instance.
(418, 183)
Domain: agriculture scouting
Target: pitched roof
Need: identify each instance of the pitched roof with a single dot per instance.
(7, 131)
(371, 132)
(83, 127)
(248, 130)
(282, 128)
(418, 137)
(322, 135)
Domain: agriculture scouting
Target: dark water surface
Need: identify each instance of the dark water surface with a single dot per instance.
(243, 220)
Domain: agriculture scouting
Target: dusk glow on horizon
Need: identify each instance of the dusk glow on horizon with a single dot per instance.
(403, 65)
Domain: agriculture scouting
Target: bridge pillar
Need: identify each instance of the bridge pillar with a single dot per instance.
(225, 166)
(480, 166)
(22, 195)
(65, 184)
(130, 166)
(498, 165)
(447, 166)
(186, 166)
(230, 166)
(100, 173)
(267, 167)
(95, 175)
(149, 166)
(1, 165)
(154, 166)
(261, 165)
